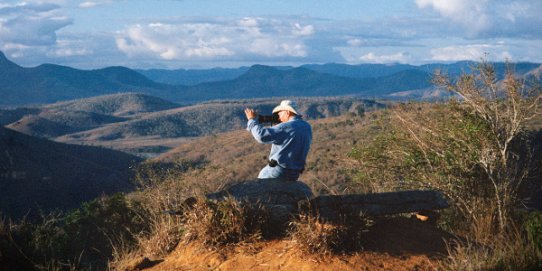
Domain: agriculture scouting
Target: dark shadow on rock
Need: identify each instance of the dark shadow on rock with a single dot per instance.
(143, 264)
(406, 236)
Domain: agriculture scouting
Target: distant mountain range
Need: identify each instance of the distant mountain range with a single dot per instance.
(360, 71)
(193, 77)
(49, 83)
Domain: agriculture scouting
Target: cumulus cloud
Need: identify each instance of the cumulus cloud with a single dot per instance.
(27, 24)
(216, 39)
(475, 52)
(88, 4)
(95, 3)
(355, 42)
(490, 18)
(299, 30)
(69, 48)
(401, 57)
(446, 30)
(472, 14)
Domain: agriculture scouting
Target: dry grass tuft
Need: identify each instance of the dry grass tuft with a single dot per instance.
(508, 252)
(217, 225)
(316, 237)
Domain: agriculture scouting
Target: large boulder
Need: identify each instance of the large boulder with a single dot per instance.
(333, 207)
(279, 197)
(283, 199)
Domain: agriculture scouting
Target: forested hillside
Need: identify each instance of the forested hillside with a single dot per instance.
(142, 124)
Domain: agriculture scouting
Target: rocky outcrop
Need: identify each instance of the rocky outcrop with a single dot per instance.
(333, 207)
(283, 199)
(279, 197)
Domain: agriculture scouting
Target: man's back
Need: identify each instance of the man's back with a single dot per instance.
(291, 152)
(291, 140)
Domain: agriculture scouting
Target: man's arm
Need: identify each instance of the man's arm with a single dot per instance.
(260, 133)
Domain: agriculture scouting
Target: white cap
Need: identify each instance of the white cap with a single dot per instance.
(286, 105)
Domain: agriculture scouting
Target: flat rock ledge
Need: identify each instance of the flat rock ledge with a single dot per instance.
(284, 198)
(279, 197)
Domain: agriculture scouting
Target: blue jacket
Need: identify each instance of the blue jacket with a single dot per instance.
(290, 141)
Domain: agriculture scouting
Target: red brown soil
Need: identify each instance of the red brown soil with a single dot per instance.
(392, 244)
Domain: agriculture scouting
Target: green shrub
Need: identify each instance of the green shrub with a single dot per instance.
(533, 227)
(82, 239)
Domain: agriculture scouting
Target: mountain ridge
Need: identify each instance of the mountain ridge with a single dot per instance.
(48, 83)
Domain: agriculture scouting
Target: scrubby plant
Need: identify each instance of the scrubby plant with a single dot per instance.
(149, 174)
(504, 109)
(474, 149)
(510, 252)
(226, 222)
(533, 227)
(316, 237)
(83, 239)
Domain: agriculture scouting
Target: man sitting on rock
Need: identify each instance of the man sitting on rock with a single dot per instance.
(290, 139)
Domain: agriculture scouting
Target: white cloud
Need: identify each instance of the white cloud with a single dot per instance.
(88, 4)
(248, 22)
(489, 18)
(471, 14)
(355, 42)
(475, 52)
(204, 40)
(95, 3)
(69, 48)
(37, 32)
(458, 53)
(371, 57)
(31, 24)
(299, 30)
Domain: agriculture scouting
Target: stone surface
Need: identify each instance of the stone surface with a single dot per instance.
(332, 207)
(279, 197)
(283, 199)
(267, 191)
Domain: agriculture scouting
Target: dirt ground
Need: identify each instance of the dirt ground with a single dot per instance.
(398, 243)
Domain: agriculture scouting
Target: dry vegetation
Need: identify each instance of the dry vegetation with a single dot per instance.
(480, 159)
(480, 163)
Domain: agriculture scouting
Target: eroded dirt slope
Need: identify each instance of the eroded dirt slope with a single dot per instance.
(397, 243)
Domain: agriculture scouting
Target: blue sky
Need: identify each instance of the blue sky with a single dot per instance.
(219, 33)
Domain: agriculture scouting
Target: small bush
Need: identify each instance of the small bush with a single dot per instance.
(315, 237)
(227, 222)
(84, 239)
(533, 227)
(507, 252)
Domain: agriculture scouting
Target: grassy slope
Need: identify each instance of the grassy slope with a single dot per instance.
(236, 156)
